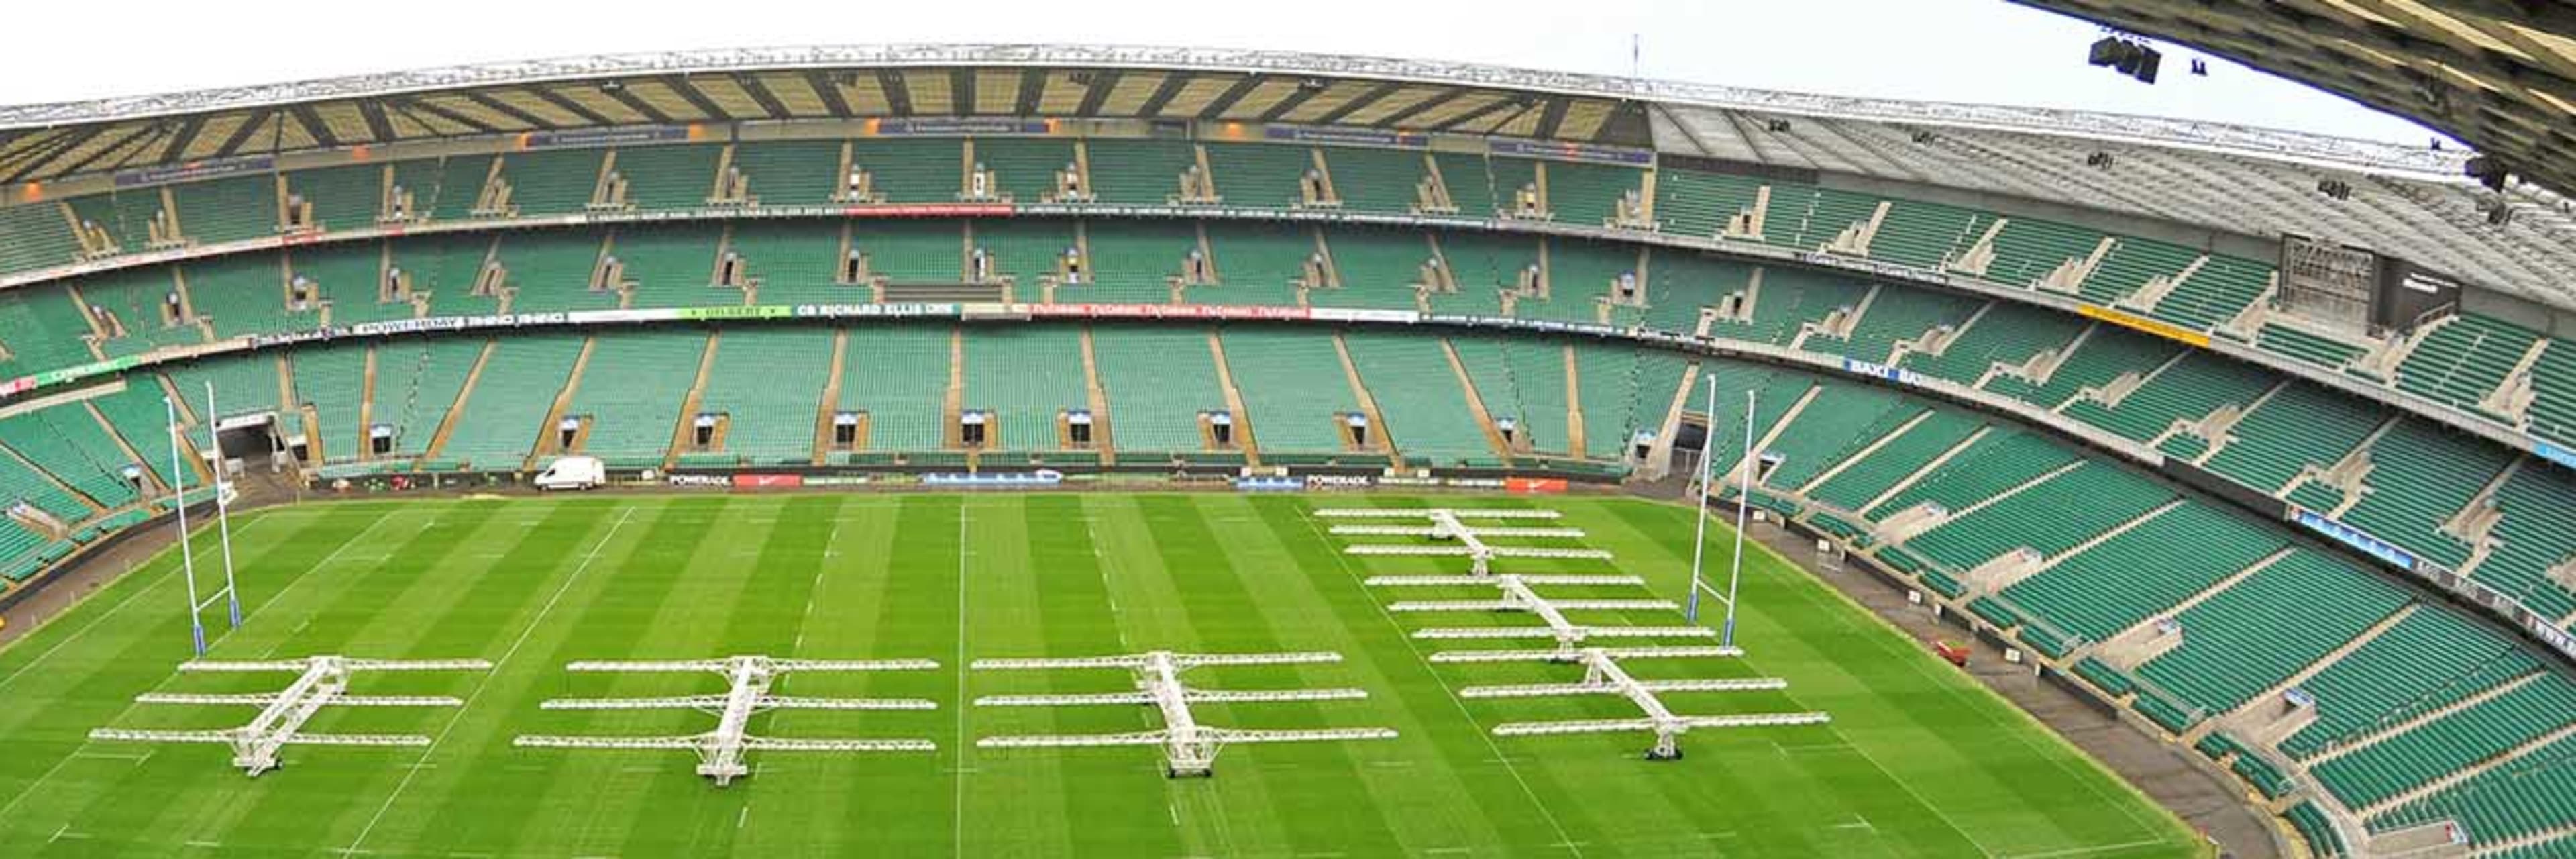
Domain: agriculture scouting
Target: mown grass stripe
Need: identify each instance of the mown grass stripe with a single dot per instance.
(951, 577)
(1512, 809)
(107, 794)
(2000, 773)
(479, 795)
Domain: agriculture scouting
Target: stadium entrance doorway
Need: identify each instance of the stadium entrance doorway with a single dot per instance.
(1690, 441)
(253, 439)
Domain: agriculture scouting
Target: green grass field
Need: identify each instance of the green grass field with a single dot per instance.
(1918, 760)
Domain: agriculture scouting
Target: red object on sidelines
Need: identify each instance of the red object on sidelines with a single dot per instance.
(1956, 654)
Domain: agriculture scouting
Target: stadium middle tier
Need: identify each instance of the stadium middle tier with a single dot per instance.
(2472, 367)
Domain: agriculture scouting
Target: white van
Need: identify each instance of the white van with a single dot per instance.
(573, 472)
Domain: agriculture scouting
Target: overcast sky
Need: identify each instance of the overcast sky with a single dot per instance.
(1952, 50)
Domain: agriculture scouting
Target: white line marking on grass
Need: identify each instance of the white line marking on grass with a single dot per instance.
(166, 577)
(486, 681)
(960, 668)
(814, 590)
(199, 842)
(2080, 851)
(1843, 610)
(327, 560)
(1343, 561)
(130, 707)
(744, 818)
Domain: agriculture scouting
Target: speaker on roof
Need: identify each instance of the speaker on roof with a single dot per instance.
(2149, 59)
(2487, 171)
(2107, 51)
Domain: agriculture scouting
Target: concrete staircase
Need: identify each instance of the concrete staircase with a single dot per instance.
(1576, 438)
(1380, 437)
(1097, 398)
(831, 402)
(681, 430)
(456, 410)
(549, 441)
(1243, 437)
(1476, 402)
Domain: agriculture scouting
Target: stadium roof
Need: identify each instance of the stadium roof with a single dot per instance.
(2408, 200)
(2499, 74)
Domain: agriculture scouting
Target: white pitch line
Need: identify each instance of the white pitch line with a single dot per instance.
(486, 681)
(814, 590)
(1874, 763)
(959, 801)
(2080, 851)
(131, 706)
(166, 578)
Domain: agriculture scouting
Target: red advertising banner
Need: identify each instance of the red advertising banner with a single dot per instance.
(768, 481)
(930, 210)
(1165, 311)
(1534, 485)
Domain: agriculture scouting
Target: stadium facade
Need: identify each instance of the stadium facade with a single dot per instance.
(2264, 436)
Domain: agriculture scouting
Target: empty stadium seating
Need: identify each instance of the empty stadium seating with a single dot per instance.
(2262, 630)
(1286, 377)
(1854, 455)
(898, 376)
(1027, 377)
(769, 384)
(504, 412)
(1419, 395)
(1158, 382)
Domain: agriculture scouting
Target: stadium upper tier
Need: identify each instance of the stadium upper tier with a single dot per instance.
(2406, 200)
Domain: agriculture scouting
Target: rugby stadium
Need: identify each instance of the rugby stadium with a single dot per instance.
(1015, 450)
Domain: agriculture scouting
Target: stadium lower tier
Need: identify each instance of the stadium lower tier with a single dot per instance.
(2502, 518)
(2289, 663)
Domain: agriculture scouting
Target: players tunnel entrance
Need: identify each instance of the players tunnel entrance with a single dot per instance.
(254, 440)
